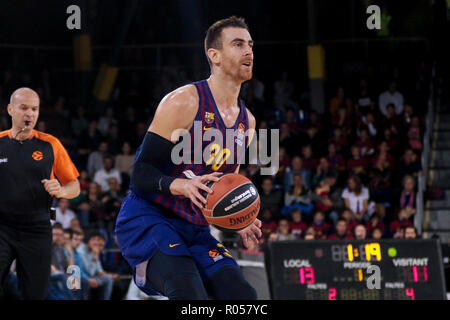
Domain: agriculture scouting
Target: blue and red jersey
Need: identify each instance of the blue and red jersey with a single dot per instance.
(206, 154)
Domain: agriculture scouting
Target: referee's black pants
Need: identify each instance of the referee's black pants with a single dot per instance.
(30, 244)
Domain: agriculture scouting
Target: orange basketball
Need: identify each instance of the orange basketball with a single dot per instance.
(233, 204)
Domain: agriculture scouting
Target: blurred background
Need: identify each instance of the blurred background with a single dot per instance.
(348, 101)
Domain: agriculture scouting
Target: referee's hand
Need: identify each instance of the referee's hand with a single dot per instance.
(53, 187)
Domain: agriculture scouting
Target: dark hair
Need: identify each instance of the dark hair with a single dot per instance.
(78, 233)
(69, 231)
(411, 227)
(57, 225)
(358, 187)
(213, 35)
(94, 233)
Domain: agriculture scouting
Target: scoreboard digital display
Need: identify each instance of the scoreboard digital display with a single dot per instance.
(391, 269)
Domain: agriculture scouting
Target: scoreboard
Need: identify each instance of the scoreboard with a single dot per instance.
(391, 269)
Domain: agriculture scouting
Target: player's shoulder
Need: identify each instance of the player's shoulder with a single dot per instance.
(185, 97)
(251, 118)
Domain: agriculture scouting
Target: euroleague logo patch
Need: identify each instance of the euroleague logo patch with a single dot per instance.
(37, 155)
(214, 253)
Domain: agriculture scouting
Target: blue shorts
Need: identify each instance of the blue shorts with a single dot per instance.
(142, 228)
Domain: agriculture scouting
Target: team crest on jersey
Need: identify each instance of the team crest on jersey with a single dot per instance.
(241, 128)
(240, 134)
(209, 117)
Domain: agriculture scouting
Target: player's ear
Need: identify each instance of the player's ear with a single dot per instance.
(214, 55)
(9, 109)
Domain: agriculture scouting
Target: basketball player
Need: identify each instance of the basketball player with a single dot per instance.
(34, 167)
(160, 228)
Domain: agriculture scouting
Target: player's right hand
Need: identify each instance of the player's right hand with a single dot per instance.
(190, 187)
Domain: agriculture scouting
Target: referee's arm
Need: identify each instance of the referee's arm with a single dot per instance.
(63, 181)
(69, 190)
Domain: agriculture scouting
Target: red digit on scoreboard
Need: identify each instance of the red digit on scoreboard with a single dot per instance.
(332, 294)
(416, 274)
(410, 293)
(307, 275)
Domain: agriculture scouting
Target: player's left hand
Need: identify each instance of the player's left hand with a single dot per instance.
(251, 234)
(53, 187)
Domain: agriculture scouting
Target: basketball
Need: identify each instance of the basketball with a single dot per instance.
(233, 204)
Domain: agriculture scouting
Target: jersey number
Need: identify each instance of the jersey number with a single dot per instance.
(218, 155)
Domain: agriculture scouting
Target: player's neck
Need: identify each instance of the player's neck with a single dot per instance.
(225, 90)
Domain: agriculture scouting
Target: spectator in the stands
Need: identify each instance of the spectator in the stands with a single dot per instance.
(75, 225)
(91, 207)
(390, 139)
(356, 198)
(414, 136)
(90, 255)
(409, 165)
(95, 160)
(268, 224)
(391, 120)
(408, 196)
(84, 180)
(283, 230)
(321, 227)
(271, 197)
(299, 196)
(322, 170)
(376, 234)
(369, 122)
(295, 168)
(322, 200)
(340, 140)
(85, 281)
(335, 160)
(296, 225)
(357, 164)
(364, 100)
(108, 171)
(391, 96)
(410, 232)
(365, 143)
(58, 289)
(375, 223)
(63, 213)
(342, 231)
(309, 165)
(310, 233)
(350, 218)
(284, 163)
(335, 195)
(380, 175)
(360, 232)
(401, 222)
(112, 201)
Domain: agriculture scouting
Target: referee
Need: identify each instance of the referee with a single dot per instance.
(34, 167)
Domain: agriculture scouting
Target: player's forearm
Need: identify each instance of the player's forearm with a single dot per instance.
(70, 190)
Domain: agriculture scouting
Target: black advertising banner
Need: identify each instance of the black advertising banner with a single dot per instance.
(394, 269)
